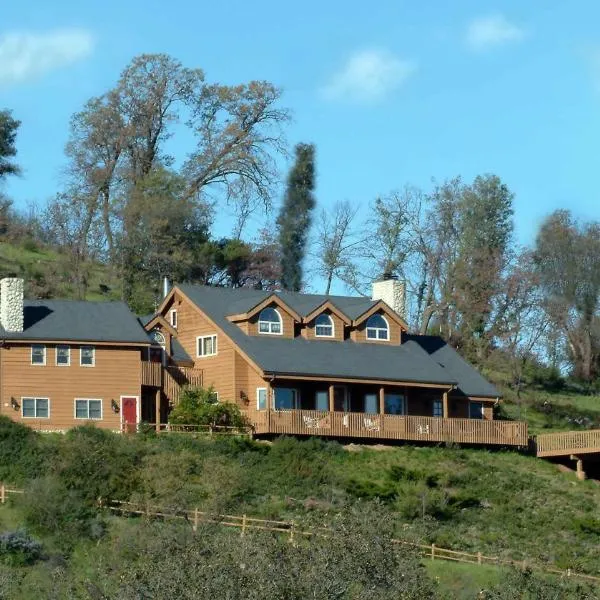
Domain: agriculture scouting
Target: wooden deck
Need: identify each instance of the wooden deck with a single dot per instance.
(568, 443)
(390, 427)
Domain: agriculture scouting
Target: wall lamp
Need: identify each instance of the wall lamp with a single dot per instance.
(14, 403)
(114, 406)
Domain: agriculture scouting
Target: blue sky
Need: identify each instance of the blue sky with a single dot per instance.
(391, 92)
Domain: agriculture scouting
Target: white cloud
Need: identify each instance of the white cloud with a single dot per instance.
(26, 55)
(368, 76)
(492, 30)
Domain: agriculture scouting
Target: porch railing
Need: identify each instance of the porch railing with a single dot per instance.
(391, 427)
(568, 442)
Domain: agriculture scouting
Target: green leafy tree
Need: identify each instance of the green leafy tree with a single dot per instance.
(199, 406)
(295, 216)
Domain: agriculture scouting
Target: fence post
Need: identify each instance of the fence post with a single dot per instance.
(195, 525)
(293, 525)
(2, 494)
(432, 551)
(479, 558)
(568, 572)
(243, 525)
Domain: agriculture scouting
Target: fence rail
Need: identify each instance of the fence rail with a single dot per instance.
(246, 523)
(391, 427)
(210, 430)
(568, 442)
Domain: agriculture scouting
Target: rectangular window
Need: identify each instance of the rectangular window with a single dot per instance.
(285, 399)
(38, 354)
(63, 356)
(438, 408)
(322, 400)
(475, 410)
(371, 404)
(87, 409)
(173, 318)
(87, 356)
(261, 398)
(207, 345)
(35, 408)
(395, 404)
(214, 396)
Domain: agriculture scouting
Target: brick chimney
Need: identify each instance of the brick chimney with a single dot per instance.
(11, 304)
(392, 292)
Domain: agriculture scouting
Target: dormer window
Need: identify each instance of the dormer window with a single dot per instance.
(324, 326)
(269, 321)
(173, 318)
(378, 328)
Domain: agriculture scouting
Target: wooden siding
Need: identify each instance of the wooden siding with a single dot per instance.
(359, 333)
(308, 331)
(568, 442)
(218, 370)
(116, 373)
(392, 427)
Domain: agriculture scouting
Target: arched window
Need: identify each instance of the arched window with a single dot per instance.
(378, 328)
(324, 326)
(269, 321)
(158, 337)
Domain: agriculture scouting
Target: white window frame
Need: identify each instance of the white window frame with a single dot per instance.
(258, 391)
(81, 364)
(173, 318)
(68, 363)
(439, 403)
(198, 347)
(35, 399)
(43, 347)
(270, 323)
(88, 400)
(378, 329)
(331, 324)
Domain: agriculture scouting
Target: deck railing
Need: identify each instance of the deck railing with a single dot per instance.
(568, 442)
(151, 373)
(390, 427)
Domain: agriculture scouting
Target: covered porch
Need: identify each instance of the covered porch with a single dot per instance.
(427, 413)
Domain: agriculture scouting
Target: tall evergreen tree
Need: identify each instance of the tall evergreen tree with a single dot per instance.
(8, 133)
(295, 216)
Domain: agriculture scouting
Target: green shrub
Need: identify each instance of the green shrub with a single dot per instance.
(23, 452)
(99, 464)
(400, 473)
(18, 548)
(369, 490)
(199, 406)
(587, 525)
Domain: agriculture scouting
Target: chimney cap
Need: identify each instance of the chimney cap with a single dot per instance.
(388, 275)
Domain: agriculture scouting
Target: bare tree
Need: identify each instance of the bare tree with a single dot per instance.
(336, 245)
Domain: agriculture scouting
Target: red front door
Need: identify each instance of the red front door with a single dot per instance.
(129, 413)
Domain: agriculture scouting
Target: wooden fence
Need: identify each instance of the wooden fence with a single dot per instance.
(210, 430)
(568, 442)
(244, 523)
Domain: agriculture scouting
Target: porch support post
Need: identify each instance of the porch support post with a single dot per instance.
(445, 405)
(331, 399)
(580, 472)
(381, 400)
(157, 410)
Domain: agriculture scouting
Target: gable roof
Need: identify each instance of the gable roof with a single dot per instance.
(470, 381)
(78, 321)
(302, 357)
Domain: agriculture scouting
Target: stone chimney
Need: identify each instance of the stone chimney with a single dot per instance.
(392, 292)
(11, 304)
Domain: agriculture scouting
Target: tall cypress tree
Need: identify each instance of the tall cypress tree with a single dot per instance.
(295, 216)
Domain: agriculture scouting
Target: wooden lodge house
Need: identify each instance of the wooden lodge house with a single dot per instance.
(299, 364)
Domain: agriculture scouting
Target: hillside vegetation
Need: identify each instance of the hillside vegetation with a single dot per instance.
(500, 503)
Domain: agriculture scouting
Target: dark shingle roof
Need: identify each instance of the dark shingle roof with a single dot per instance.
(178, 353)
(73, 320)
(298, 356)
(470, 381)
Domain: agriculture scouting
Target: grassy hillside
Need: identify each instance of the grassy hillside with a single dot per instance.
(500, 503)
(48, 274)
